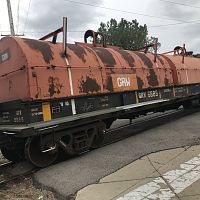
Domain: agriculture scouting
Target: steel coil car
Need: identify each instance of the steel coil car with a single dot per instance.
(54, 102)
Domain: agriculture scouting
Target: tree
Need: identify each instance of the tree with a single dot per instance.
(126, 34)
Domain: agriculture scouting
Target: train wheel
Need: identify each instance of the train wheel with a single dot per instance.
(38, 158)
(13, 154)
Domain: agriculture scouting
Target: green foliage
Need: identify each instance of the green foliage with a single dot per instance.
(151, 40)
(126, 34)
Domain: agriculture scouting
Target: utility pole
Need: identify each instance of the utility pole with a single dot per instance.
(12, 30)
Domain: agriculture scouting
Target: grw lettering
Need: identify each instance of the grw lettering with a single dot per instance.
(123, 82)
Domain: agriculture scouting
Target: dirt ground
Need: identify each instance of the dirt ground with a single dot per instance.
(2, 159)
(22, 189)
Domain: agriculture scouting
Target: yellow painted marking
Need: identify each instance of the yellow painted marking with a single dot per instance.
(46, 111)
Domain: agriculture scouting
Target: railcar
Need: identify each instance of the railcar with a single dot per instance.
(58, 98)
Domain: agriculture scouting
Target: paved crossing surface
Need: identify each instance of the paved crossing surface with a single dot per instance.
(172, 174)
(84, 172)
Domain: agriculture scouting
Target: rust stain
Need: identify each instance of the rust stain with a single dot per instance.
(43, 47)
(152, 78)
(166, 82)
(127, 57)
(109, 84)
(54, 86)
(92, 52)
(140, 83)
(78, 50)
(89, 85)
(173, 68)
(10, 83)
(145, 59)
(161, 60)
(106, 57)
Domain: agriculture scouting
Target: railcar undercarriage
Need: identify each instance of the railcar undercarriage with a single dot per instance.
(43, 143)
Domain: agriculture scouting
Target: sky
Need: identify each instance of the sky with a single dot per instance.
(35, 18)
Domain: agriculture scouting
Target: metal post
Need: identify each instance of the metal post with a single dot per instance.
(12, 30)
(156, 49)
(68, 65)
(183, 53)
(65, 36)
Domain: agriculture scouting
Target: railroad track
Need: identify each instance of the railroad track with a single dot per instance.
(5, 164)
(3, 167)
(10, 171)
(144, 123)
(148, 117)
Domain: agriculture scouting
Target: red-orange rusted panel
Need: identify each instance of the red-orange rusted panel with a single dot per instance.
(188, 71)
(165, 71)
(47, 69)
(33, 69)
(44, 75)
(13, 81)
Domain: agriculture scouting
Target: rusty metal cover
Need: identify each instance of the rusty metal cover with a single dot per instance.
(33, 69)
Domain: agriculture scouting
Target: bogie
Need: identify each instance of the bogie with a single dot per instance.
(44, 150)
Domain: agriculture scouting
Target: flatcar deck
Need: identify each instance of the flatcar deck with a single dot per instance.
(53, 124)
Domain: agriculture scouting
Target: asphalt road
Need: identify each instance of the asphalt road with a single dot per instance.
(173, 131)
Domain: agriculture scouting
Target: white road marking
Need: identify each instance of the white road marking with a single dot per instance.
(178, 180)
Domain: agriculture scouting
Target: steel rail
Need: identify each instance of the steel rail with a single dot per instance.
(144, 125)
(145, 120)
